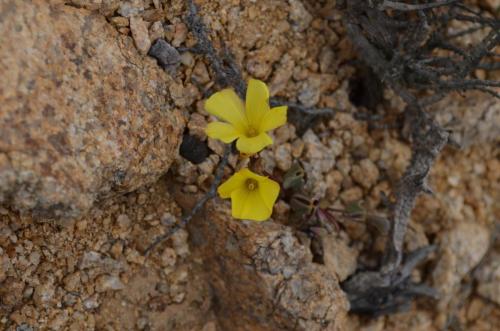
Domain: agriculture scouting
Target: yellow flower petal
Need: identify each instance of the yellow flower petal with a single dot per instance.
(249, 205)
(256, 204)
(235, 182)
(227, 106)
(252, 145)
(257, 102)
(274, 118)
(239, 202)
(222, 131)
(269, 191)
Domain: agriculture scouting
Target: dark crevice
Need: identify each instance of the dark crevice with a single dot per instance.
(366, 89)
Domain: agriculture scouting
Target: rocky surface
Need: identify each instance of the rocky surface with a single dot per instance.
(83, 117)
(488, 276)
(92, 275)
(473, 117)
(463, 247)
(278, 286)
(219, 274)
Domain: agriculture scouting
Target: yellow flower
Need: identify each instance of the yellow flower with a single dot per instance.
(252, 196)
(248, 123)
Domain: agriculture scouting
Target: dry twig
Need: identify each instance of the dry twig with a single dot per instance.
(400, 47)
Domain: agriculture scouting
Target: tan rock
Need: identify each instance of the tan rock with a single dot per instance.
(259, 63)
(105, 7)
(44, 294)
(180, 34)
(310, 92)
(461, 249)
(140, 34)
(339, 258)
(282, 75)
(263, 278)
(200, 73)
(494, 4)
(119, 21)
(156, 31)
(352, 194)
(72, 282)
(488, 277)
(129, 8)
(108, 283)
(300, 17)
(197, 125)
(478, 114)
(82, 118)
(283, 156)
(365, 173)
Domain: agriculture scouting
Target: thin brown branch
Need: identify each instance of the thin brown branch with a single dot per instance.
(219, 172)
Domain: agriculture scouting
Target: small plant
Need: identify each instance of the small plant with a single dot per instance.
(252, 196)
(249, 123)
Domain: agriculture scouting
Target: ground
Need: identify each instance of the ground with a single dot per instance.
(91, 272)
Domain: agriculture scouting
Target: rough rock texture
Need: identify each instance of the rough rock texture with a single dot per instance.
(462, 248)
(91, 274)
(488, 276)
(473, 117)
(263, 278)
(83, 116)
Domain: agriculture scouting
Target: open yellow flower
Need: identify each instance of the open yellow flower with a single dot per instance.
(252, 196)
(247, 123)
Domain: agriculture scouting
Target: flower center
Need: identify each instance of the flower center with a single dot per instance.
(251, 132)
(251, 184)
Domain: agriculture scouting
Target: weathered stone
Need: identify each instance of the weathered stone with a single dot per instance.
(310, 92)
(299, 16)
(101, 262)
(196, 125)
(283, 156)
(263, 278)
(282, 75)
(105, 7)
(108, 283)
(130, 8)
(365, 173)
(83, 118)
(473, 118)
(156, 31)
(339, 258)
(44, 294)
(140, 34)
(461, 249)
(488, 277)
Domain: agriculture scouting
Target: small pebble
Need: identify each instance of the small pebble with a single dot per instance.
(108, 282)
(156, 31)
(140, 34)
(131, 8)
(91, 302)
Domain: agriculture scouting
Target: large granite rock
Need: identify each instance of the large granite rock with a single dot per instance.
(82, 115)
(263, 278)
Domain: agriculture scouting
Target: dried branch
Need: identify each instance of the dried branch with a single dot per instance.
(219, 172)
(429, 139)
(401, 49)
(375, 294)
(226, 75)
